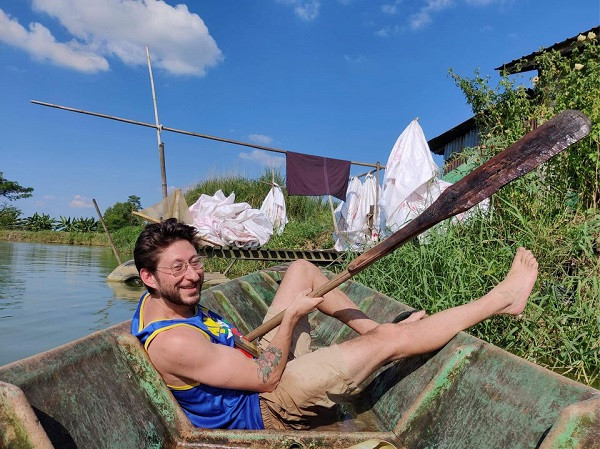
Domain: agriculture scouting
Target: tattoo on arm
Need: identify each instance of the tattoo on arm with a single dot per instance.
(267, 362)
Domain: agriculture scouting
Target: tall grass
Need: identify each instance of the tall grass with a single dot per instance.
(560, 328)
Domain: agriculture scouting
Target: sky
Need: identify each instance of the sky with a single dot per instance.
(334, 78)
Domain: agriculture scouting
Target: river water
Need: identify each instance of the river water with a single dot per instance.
(53, 294)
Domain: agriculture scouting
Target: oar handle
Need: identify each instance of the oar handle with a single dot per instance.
(267, 326)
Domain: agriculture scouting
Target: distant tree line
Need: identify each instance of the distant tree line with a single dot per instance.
(116, 217)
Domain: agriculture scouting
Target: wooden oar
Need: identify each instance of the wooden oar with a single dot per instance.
(517, 160)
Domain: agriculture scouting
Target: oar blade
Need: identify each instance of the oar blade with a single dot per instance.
(520, 158)
(517, 160)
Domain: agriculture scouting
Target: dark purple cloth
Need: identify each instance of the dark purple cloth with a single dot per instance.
(316, 175)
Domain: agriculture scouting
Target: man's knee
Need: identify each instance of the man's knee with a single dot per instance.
(300, 267)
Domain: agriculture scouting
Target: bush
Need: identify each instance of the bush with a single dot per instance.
(120, 214)
(9, 216)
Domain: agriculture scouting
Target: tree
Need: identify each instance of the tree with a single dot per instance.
(12, 190)
(119, 215)
(9, 216)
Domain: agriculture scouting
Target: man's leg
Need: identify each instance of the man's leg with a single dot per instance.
(388, 342)
(314, 380)
(302, 275)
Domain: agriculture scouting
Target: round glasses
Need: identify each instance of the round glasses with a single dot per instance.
(179, 268)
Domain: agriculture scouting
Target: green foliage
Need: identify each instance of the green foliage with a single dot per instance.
(124, 239)
(38, 222)
(508, 111)
(119, 215)
(81, 224)
(553, 211)
(12, 190)
(9, 216)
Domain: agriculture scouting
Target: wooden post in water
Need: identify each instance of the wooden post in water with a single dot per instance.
(110, 240)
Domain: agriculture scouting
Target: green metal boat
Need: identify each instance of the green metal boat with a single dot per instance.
(102, 392)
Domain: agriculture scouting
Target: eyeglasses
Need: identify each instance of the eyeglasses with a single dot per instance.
(179, 268)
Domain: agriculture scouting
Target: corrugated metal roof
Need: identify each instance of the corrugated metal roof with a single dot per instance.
(437, 144)
(527, 63)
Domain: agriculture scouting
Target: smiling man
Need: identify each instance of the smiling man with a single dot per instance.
(218, 386)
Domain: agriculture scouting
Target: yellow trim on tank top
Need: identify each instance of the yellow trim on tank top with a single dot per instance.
(183, 387)
(166, 328)
(141, 321)
(142, 325)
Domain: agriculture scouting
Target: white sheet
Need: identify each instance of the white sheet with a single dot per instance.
(274, 208)
(222, 221)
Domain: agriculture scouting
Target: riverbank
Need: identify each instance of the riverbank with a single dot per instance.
(56, 237)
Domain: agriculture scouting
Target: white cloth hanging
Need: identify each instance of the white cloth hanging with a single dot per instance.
(222, 221)
(409, 170)
(274, 208)
(356, 226)
(411, 182)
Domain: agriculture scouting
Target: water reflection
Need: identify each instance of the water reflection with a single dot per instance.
(53, 294)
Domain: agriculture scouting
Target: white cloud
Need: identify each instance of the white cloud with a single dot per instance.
(388, 31)
(81, 202)
(39, 43)
(263, 158)
(307, 10)
(358, 59)
(179, 41)
(391, 8)
(260, 139)
(423, 16)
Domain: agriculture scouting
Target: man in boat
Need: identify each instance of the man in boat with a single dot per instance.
(218, 386)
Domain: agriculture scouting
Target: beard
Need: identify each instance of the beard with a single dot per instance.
(173, 295)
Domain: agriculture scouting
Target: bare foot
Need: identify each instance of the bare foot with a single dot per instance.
(513, 291)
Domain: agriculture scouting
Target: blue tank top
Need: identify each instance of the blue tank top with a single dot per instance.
(205, 406)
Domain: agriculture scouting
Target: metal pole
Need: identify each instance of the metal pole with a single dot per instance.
(178, 131)
(110, 240)
(161, 146)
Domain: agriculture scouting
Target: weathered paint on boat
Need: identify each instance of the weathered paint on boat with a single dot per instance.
(102, 391)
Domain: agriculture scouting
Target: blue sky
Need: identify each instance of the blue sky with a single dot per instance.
(335, 78)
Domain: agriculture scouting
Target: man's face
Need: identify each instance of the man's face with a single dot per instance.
(183, 290)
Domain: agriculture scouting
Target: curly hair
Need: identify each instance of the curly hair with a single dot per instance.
(155, 238)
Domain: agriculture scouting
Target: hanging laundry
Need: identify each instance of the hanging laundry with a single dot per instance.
(274, 208)
(316, 175)
(411, 182)
(409, 169)
(356, 217)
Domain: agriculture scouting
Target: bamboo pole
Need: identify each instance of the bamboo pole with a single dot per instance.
(335, 226)
(376, 212)
(174, 130)
(110, 240)
(161, 145)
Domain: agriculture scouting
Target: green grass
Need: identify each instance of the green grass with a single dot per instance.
(560, 328)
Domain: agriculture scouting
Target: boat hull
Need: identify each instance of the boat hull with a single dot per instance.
(102, 391)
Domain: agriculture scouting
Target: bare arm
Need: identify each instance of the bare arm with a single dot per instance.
(183, 355)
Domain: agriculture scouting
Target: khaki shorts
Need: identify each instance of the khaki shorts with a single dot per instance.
(310, 382)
